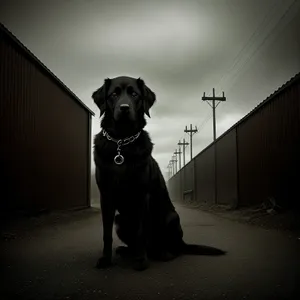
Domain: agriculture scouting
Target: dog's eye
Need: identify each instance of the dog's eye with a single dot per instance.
(134, 94)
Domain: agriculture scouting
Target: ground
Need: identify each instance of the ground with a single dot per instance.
(260, 215)
(54, 256)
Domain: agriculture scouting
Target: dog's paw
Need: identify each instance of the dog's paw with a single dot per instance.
(166, 256)
(140, 264)
(104, 262)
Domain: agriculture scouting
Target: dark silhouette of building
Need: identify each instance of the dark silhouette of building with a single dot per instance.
(45, 135)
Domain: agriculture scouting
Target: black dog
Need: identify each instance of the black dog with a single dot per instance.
(130, 180)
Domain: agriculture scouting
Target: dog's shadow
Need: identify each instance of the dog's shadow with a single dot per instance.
(124, 259)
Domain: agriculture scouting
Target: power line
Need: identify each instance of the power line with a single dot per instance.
(262, 43)
(237, 59)
(239, 55)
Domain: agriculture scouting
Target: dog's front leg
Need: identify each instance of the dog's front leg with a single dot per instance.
(140, 256)
(108, 214)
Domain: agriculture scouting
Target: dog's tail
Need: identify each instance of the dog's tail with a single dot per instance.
(191, 249)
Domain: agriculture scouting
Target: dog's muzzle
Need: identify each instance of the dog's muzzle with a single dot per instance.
(124, 107)
(124, 112)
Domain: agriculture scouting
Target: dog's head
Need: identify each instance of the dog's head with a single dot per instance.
(124, 98)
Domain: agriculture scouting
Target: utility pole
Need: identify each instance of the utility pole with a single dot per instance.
(214, 106)
(172, 162)
(169, 170)
(178, 153)
(183, 144)
(171, 167)
(174, 158)
(191, 132)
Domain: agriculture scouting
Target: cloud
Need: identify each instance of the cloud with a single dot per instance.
(180, 48)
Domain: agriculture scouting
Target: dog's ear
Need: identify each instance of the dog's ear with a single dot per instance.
(99, 96)
(148, 96)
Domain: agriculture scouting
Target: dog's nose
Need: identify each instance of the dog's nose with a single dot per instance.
(124, 107)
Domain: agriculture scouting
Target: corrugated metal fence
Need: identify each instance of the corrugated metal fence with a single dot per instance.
(44, 137)
(257, 158)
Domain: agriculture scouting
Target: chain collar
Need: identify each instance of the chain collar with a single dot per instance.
(119, 159)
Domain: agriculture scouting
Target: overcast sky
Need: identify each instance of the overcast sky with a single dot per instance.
(246, 48)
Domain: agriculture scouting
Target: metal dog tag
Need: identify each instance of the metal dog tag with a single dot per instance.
(119, 159)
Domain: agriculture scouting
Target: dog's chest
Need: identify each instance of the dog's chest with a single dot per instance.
(123, 177)
(122, 173)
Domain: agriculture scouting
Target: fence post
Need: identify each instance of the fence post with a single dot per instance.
(236, 203)
(195, 180)
(215, 172)
(181, 175)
